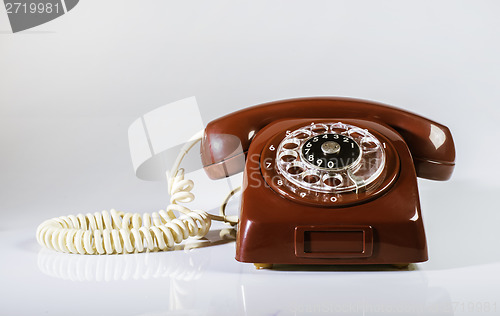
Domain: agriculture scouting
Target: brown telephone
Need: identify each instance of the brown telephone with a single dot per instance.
(328, 180)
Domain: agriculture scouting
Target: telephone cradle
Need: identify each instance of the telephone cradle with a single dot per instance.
(328, 180)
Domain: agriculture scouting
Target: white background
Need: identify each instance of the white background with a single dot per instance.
(70, 88)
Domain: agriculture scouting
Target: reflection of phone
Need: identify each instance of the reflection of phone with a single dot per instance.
(328, 180)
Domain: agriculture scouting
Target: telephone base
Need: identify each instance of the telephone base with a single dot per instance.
(281, 227)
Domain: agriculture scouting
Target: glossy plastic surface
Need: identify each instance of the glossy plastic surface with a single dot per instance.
(228, 138)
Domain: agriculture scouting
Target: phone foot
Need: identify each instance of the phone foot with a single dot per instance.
(401, 265)
(263, 265)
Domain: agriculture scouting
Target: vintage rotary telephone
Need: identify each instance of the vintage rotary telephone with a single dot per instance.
(326, 181)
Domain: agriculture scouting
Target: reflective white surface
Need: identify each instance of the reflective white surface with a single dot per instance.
(69, 90)
(202, 278)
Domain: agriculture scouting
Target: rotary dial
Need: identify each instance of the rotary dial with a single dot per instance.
(330, 157)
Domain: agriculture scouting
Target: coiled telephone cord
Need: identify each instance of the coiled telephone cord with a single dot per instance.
(118, 232)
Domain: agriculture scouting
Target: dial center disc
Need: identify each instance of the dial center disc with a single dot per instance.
(330, 147)
(331, 151)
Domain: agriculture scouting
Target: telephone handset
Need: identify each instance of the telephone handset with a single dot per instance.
(326, 181)
(430, 143)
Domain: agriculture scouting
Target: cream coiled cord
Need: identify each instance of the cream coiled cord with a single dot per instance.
(116, 232)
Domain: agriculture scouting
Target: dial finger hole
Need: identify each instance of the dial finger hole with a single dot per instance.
(288, 156)
(332, 181)
(356, 133)
(338, 130)
(310, 178)
(291, 144)
(319, 129)
(368, 144)
(302, 135)
(295, 169)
